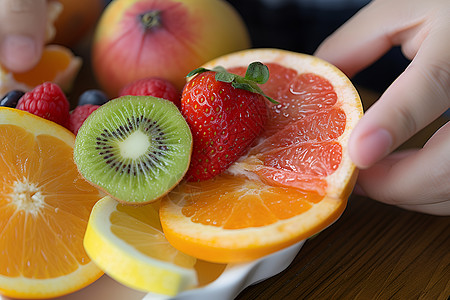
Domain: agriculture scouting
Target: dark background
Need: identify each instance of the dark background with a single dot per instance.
(302, 25)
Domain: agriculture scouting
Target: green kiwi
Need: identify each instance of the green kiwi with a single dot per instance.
(135, 148)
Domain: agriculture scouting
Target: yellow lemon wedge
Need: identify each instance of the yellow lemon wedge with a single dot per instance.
(128, 244)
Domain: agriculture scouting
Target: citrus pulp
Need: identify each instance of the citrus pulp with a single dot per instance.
(44, 209)
(293, 182)
(128, 244)
(58, 64)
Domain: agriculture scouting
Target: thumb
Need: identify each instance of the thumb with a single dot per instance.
(22, 33)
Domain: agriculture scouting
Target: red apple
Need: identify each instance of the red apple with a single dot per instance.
(135, 39)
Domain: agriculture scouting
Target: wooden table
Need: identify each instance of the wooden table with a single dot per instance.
(374, 251)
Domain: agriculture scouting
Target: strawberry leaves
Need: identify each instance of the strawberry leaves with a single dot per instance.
(257, 73)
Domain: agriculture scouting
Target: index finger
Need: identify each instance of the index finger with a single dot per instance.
(370, 33)
(416, 98)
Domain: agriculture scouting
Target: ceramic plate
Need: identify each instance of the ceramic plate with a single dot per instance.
(228, 284)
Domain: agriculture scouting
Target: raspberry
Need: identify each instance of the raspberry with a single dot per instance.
(79, 115)
(153, 86)
(46, 101)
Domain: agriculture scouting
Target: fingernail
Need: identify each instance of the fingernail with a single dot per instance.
(372, 147)
(18, 52)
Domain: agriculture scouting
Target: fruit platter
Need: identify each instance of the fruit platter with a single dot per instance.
(189, 172)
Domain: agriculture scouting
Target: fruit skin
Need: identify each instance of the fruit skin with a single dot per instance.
(79, 115)
(225, 121)
(93, 97)
(11, 98)
(153, 86)
(186, 230)
(122, 260)
(52, 286)
(190, 33)
(100, 172)
(47, 101)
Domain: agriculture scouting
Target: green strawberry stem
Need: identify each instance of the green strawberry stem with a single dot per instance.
(257, 73)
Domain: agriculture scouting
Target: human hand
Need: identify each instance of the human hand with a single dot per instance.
(25, 26)
(413, 179)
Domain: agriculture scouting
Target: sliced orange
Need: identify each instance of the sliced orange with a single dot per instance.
(58, 64)
(44, 210)
(292, 184)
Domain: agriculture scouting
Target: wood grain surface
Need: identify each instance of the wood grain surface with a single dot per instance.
(374, 251)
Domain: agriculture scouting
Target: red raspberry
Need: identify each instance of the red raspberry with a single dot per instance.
(153, 86)
(79, 114)
(46, 101)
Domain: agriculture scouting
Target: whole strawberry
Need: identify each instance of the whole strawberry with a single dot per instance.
(46, 101)
(79, 115)
(226, 113)
(152, 86)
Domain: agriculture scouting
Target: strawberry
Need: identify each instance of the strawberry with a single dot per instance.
(226, 113)
(79, 115)
(152, 86)
(47, 101)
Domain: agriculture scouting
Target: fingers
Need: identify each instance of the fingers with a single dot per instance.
(357, 43)
(372, 32)
(418, 96)
(22, 33)
(414, 179)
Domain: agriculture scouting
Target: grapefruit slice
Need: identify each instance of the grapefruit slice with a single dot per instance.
(293, 183)
(44, 210)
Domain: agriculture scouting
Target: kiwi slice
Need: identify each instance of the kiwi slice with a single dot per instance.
(135, 148)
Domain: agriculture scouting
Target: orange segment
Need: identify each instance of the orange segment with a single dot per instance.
(233, 219)
(53, 60)
(57, 64)
(44, 209)
(294, 182)
(242, 203)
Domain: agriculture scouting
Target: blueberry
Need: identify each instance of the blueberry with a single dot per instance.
(11, 98)
(94, 97)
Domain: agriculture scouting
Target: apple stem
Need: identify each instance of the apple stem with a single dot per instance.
(150, 19)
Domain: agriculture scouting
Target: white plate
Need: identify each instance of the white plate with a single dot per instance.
(227, 286)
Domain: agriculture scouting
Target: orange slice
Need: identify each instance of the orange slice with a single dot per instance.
(44, 210)
(292, 184)
(58, 64)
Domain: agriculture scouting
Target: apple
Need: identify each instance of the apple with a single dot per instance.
(135, 39)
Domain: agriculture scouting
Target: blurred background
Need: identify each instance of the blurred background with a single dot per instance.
(301, 25)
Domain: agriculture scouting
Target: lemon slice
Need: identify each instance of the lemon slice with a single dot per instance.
(128, 244)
